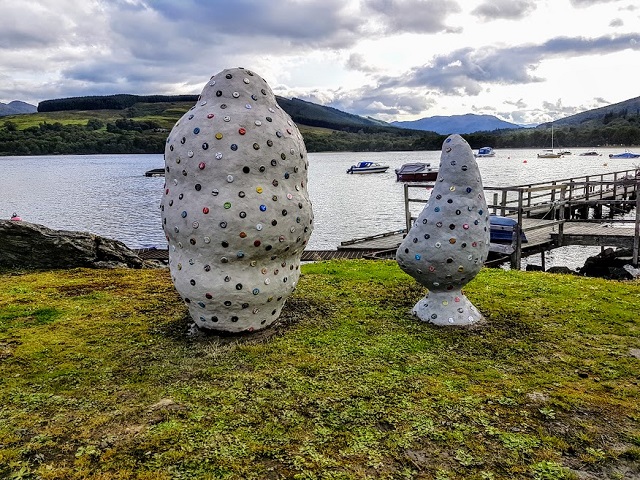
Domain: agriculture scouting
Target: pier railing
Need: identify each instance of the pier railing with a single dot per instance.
(537, 199)
(555, 203)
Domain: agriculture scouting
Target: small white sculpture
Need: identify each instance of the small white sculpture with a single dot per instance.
(449, 242)
(235, 209)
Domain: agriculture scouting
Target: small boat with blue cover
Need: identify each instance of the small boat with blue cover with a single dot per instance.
(368, 167)
(485, 152)
(501, 229)
(626, 154)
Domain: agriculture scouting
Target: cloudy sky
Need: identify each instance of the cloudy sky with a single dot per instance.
(525, 61)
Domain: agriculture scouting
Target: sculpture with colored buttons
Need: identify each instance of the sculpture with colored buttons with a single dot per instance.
(449, 242)
(235, 207)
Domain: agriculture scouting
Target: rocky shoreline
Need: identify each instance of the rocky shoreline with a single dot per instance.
(25, 245)
(613, 264)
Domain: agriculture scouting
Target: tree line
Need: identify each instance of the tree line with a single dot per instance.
(122, 136)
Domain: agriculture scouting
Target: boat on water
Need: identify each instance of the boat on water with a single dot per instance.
(416, 172)
(590, 153)
(368, 167)
(485, 152)
(154, 172)
(626, 154)
(549, 153)
(564, 152)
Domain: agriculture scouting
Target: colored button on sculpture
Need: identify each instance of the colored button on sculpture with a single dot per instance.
(234, 253)
(449, 242)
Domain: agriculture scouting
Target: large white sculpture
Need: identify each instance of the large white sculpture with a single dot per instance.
(235, 208)
(449, 242)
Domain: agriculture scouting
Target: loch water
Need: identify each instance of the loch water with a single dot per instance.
(109, 195)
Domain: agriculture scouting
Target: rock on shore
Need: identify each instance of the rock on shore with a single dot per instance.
(29, 245)
(610, 263)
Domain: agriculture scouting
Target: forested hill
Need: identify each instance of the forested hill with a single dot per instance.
(140, 124)
(604, 115)
(314, 115)
(108, 102)
(302, 112)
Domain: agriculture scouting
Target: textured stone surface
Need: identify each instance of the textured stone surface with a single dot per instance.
(449, 242)
(29, 245)
(235, 209)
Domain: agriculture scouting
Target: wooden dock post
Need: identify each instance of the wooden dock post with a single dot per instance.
(584, 211)
(407, 211)
(563, 192)
(636, 236)
(516, 258)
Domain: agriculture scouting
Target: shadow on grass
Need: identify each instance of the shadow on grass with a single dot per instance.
(296, 310)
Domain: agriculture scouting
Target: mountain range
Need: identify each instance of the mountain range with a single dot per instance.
(16, 107)
(468, 123)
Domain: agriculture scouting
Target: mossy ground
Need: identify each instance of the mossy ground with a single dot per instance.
(101, 379)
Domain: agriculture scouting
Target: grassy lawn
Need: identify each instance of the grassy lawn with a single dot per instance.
(102, 378)
(75, 117)
(165, 114)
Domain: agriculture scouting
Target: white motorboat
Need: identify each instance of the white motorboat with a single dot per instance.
(485, 152)
(368, 167)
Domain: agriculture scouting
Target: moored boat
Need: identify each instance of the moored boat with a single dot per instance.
(154, 172)
(590, 153)
(564, 152)
(368, 167)
(626, 154)
(416, 172)
(485, 152)
(549, 154)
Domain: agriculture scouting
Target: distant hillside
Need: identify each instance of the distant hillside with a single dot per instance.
(108, 102)
(139, 124)
(302, 112)
(603, 115)
(468, 123)
(16, 108)
(314, 115)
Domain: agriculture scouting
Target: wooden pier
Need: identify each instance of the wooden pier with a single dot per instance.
(558, 213)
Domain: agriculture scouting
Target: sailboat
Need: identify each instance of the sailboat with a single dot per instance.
(549, 153)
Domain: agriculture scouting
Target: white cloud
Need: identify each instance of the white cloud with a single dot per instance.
(390, 59)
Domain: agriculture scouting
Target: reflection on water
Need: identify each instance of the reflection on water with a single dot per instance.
(109, 195)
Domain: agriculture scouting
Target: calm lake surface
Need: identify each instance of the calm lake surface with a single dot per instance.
(109, 195)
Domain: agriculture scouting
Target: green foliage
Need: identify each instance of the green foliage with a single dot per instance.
(124, 136)
(100, 378)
